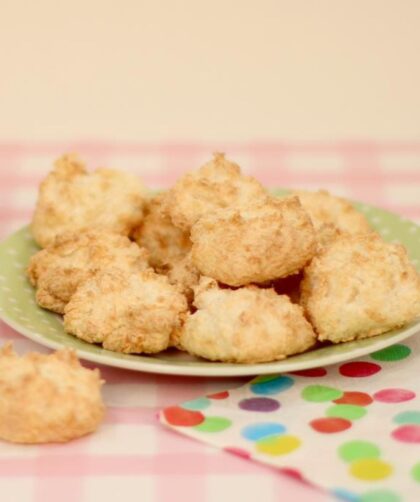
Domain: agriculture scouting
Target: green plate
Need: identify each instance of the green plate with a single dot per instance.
(19, 309)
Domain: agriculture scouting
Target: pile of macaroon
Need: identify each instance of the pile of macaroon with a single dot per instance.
(216, 266)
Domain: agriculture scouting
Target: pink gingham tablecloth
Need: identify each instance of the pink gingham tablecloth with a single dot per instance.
(132, 457)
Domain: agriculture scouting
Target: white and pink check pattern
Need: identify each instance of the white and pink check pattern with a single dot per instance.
(133, 458)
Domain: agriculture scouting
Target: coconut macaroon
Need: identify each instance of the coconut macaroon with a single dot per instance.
(72, 200)
(332, 215)
(165, 242)
(58, 270)
(360, 286)
(326, 233)
(217, 184)
(184, 275)
(126, 312)
(246, 325)
(47, 398)
(255, 244)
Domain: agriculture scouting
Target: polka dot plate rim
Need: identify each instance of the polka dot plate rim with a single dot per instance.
(18, 309)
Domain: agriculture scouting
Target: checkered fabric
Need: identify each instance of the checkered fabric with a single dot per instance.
(131, 457)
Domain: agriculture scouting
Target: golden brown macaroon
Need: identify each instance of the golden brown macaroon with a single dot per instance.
(360, 286)
(326, 234)
(72, 200)
(165, 242)
(332, 215)
(217, 184)
(255, 244)
(184, 275)
(126, 312)
(47, 398)
(246, 325)
(58, 270)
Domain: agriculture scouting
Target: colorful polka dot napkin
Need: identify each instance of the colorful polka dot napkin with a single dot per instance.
(352, 429)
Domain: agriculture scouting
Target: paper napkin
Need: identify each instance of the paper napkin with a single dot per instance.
(352, 429)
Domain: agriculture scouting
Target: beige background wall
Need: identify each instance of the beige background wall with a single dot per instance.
(220, 69)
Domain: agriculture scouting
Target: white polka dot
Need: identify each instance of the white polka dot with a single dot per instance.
(385, 231)
(18, 264)
(2, 278)
(6, 289)
(17, 309)
(376, 219)
(414, 229)
(11, 252)
(12, 300)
